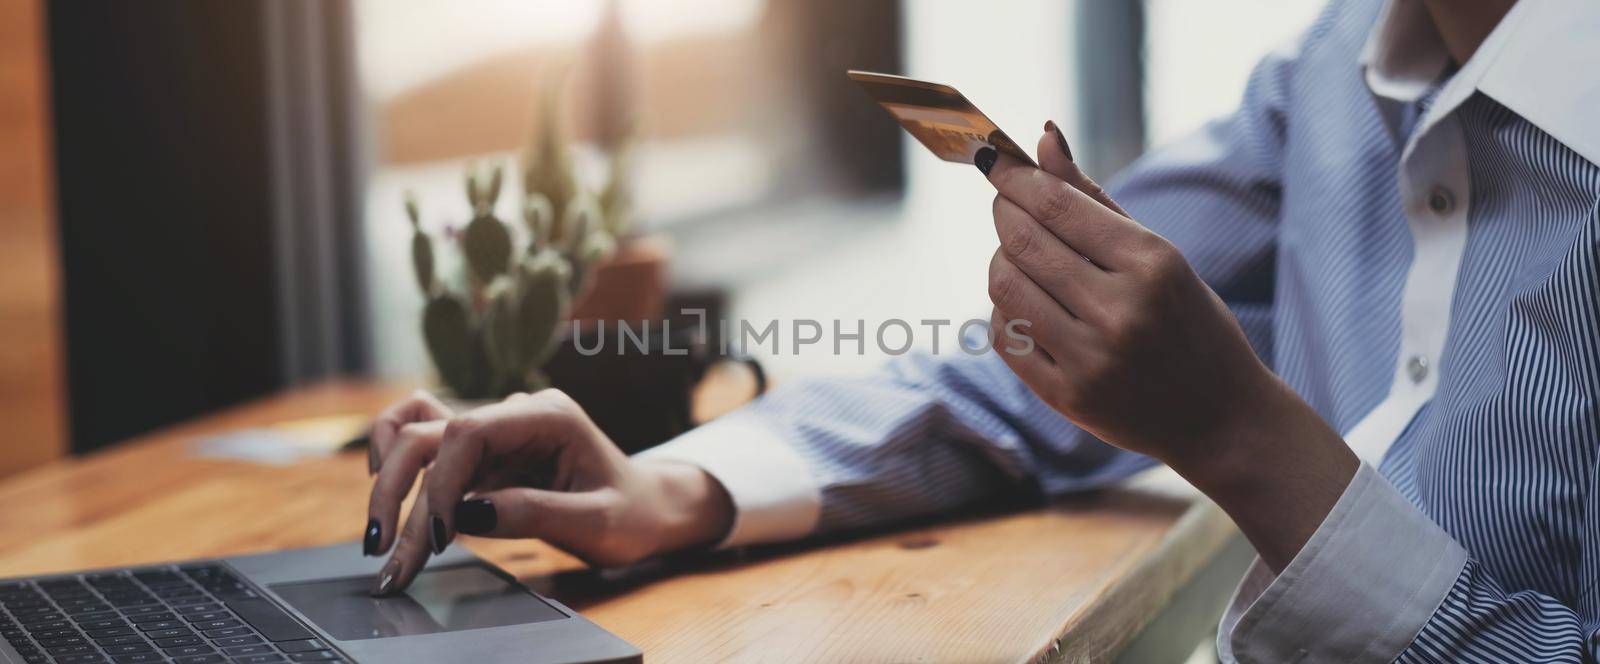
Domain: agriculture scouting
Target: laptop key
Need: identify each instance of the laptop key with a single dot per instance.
(199, 659)
(209, 615)
(180, 641)
(86, 608)
(128, 649)
(77, 649)
(169, 592)
(141, 610)
(158, 576)
(152, 617)
(159, 625)
(218, 624)
(54, 633)
(139, 658)
(168, 633)
(35, 628)
(227, 632)
(119, 640)
(185, 601)
(208, 607)
(69, 593)
(73, 640)
(102, 624)
(240, 651)
(259, 659)
(307, 645)
(238, 641)
(188, 651)
(115, 631)
(94, 617)
(318, 656)
(84, 658)
(268, 619)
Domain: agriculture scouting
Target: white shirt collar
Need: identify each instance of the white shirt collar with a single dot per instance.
(1542, 61)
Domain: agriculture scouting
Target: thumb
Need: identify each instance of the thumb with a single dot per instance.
(570, 521)
(1056, 159)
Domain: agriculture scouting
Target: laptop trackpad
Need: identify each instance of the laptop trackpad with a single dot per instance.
(439, 600)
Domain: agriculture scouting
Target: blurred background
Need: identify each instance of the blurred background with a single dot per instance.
(201, 202)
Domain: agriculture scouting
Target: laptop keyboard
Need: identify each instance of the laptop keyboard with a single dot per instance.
(190, 614)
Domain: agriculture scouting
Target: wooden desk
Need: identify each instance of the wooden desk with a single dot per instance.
(1071, 582)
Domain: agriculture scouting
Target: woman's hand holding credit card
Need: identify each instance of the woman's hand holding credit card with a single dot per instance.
(1136, 348)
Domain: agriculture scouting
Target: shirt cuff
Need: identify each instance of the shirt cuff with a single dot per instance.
(1361, 589)
(774, 496)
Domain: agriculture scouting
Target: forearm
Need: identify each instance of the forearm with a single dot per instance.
(924, 435)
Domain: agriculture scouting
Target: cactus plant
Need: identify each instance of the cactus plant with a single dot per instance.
(421, 248)
(454, 344)
(548, 169)
(486, 242)
(490, 335)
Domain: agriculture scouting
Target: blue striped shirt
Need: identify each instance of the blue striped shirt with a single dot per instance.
(1415, 249)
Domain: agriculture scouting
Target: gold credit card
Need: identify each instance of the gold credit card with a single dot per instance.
(939, 116)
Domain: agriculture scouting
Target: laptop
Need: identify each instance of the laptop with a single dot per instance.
(302, 605)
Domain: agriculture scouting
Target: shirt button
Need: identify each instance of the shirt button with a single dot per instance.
(1441, 201)
(1417, 368)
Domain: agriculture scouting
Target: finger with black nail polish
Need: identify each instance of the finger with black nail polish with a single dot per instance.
(984, 160)
(385, 580)
(1061, 140)
(372, 538)
(437, 534)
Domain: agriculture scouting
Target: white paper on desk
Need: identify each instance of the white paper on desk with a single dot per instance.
(263, 446)
(286, 442)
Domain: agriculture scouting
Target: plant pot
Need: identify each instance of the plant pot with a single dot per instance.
(631, 285)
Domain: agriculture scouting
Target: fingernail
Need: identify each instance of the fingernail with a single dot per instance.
(1061, 141)
(436, 525)
(985, 159)
(369, 544)
(475, 517)
(386, 578)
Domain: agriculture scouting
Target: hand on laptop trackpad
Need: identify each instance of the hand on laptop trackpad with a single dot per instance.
(440, 600)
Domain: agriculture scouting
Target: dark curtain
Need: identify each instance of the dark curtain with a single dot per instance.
(179, 231)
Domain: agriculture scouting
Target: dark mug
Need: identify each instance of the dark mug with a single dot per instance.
(640, 394)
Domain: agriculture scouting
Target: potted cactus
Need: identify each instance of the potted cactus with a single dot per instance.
(491, 330)
(489, 335)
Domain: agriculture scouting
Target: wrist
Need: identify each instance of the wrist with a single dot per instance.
(692, 508)
(1277, 471)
